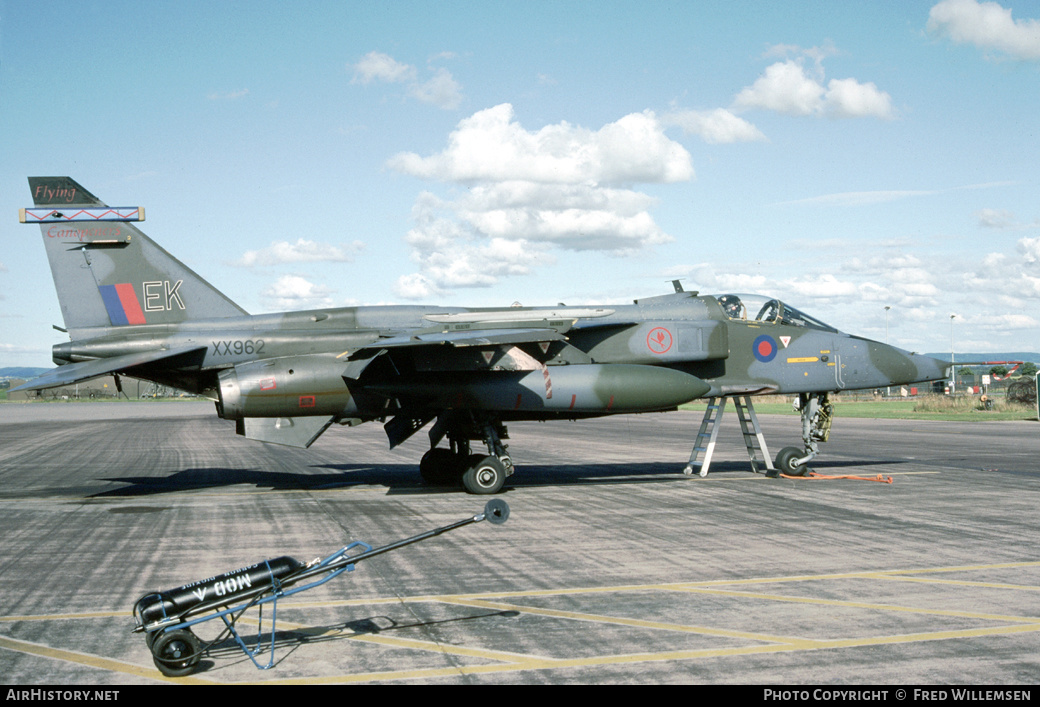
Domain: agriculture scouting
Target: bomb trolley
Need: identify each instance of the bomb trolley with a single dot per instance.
(166, 617)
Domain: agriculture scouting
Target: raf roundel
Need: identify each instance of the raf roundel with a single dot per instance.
(764, 348)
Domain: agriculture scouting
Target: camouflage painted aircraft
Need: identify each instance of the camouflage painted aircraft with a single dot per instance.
(132, 309)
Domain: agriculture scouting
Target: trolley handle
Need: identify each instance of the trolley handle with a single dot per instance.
(495, 512)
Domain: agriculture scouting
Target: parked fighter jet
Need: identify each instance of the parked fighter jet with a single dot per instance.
(132, 309)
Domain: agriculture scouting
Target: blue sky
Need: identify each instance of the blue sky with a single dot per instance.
(845, 157)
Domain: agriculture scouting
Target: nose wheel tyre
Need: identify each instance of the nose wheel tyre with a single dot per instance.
(486, 476)
(785, 462)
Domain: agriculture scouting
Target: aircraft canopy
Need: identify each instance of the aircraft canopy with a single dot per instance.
(768, 311)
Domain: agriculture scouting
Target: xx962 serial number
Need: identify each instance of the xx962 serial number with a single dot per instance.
(238, 346)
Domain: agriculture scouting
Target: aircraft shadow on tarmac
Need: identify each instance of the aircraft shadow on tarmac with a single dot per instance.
(405, 479)
(215, 477)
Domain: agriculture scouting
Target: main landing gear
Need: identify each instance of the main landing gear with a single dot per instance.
(816, 410)
(478, 473)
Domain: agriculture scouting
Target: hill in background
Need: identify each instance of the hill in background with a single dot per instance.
(24, 372)
(969, 357)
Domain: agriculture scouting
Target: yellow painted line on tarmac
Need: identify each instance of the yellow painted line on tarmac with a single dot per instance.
(673, 586)
(964, 583)
(636, 623)
(486, 653)
(930, 636)
(410, 643)
(870, 574)
(959, 568)
(93, 661)
(537, 664)
(795, 645)
(70, 617)
(864, 605)
(507, 662)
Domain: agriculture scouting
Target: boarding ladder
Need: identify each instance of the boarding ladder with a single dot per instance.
(754, 440)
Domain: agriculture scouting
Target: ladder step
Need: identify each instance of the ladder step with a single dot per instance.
(754, 441)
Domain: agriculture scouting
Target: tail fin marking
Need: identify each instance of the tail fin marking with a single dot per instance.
(122, 304)
(105, 272)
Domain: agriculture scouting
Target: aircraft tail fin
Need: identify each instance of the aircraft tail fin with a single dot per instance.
(108, 273)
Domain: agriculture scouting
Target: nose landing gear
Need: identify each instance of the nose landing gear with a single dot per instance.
(817, 411)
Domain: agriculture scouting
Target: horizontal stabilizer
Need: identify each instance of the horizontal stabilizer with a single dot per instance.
(289, 431)
(97, 213)
(76, 372)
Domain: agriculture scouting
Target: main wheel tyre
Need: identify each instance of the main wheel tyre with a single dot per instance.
(440, 467)
(176, 653)
(486, 476)
(785, 462)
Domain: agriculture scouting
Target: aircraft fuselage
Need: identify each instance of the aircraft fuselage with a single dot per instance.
(681, 332)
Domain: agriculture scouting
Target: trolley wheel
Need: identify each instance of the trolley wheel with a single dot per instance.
(176, 653)
(486, 476)
(496, 511)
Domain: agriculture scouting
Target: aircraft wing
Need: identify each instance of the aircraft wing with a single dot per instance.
(479, 337)
(76, 372)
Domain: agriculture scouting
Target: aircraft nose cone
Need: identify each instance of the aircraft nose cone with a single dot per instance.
(899, 367)
(929, 369)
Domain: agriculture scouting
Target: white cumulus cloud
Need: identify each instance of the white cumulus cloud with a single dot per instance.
(826, 285)
(784, 88)
(529, 191)
(376, 66)
(441, 90)
(490, 146)
(715, 127)
(987, 25)
(302, 251)
(292, 292)
(788, 87)
(451, 252)
(1004, 220)
(848, 98)
(1029, 248)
